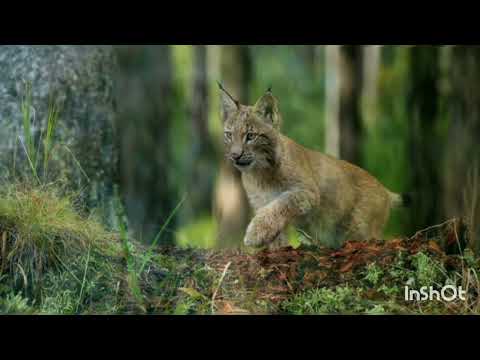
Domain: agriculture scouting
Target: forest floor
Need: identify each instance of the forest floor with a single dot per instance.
(54, 261)
(359, 278)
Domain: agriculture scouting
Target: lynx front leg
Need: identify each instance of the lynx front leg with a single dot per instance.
(271, 220)
(280, 242)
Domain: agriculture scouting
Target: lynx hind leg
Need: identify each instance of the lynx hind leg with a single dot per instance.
(365, 230)
(375, 222)
(281, 241)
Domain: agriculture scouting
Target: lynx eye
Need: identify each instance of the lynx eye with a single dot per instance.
(228, 135)
(250, 137)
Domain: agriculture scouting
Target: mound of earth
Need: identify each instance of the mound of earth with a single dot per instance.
(261, 282)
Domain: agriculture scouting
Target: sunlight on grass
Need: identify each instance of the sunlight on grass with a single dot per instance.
(200, 234)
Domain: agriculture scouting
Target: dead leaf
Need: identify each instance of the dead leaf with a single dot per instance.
(315, 277)
(227, 308)
(282, 276)
(347, 267)
(432, 245)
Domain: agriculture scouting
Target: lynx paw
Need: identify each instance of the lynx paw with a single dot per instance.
(258, 233)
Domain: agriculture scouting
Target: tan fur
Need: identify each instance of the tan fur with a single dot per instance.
(329, 199)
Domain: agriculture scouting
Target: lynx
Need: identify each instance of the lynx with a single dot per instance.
(329, 200)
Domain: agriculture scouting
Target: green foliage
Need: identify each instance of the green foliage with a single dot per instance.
(199, 234)
(14, 304)
(42, 229)
(428, 271)
(186, 286)
(385, 148)
(28, 135)
(84, 289)
(341, 300)
(373, 274)
(47, 137)
(301, 97)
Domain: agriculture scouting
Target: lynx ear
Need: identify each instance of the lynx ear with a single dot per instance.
(267, 108)
(229, 104)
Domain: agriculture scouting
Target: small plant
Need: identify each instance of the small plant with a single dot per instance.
(373, 274)
(376, 310)
(62, 303)
(428, 271)
(28, 142)
(342, 300)
(133, 275)
(15, 304)
(40, 229)
(471, 206)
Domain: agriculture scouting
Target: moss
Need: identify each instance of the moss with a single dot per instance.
(373, 274)
(429, 272)
(341, 300)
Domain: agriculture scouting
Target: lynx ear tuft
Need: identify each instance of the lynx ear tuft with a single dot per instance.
(229, 104)
(267, 108)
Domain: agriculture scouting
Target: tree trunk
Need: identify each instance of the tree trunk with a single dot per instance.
(425, 148)
(309, 57)
(80, 79)
(462, 159)
(230, 203)
(344, 90)
(144, 95)
(332, 104)
(201, 165)
(371, 71)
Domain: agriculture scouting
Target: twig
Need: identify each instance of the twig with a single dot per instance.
(477, 303)
(459, 247)
(25, 282)
(309, 237)
(219, 284)
(4, 251)
(432, 227)
(83, 282)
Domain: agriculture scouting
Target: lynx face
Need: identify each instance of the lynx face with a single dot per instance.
(250, 132)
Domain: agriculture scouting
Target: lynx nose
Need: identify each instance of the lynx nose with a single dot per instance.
(236, 155)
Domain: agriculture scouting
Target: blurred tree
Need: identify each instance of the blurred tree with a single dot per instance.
(425, 144)
(201, 164)
(230, 201)
(462, 160)
(371, 72)
(309, 55)
(332, 120)
(145, 101)
(343, 106)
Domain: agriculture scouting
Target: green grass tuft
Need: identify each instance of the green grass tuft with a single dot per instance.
(39, 229)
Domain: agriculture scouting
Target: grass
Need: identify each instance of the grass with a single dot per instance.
(29, 120)
(199, 234)
(40, 228)
(55, 260)
(52, 254)
(341, 300)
